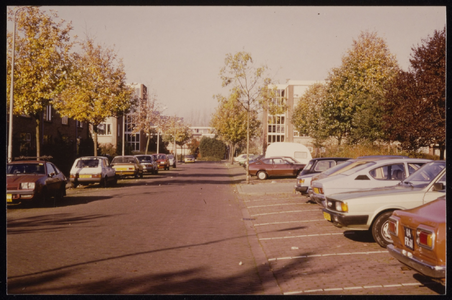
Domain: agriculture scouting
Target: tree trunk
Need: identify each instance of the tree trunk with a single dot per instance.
(147, 144)
(247, 144)
(95, 139)
(38, 133)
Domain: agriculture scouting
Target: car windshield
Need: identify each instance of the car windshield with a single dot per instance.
(87, 163)
(26, 169)
(144, 159)
(170, 156)
(338, 168)
(426, 173)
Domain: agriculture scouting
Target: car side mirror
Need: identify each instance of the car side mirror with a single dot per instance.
(438, 186)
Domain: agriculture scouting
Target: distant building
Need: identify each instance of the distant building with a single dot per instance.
(279, 128)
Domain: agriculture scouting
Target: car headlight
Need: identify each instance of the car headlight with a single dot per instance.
(27, 185)
(337, 205)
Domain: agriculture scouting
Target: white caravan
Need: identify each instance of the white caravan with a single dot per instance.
(295, 150)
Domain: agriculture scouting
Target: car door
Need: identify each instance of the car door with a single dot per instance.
(386, 175)
(281, 167)
(53, 181)
(433, 193)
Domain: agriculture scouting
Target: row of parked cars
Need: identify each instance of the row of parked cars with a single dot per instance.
(36, 181)
(400, 200)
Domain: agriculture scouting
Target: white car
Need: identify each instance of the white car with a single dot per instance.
(371, 209)
(366, 174)
(92, 169)
(241, 159)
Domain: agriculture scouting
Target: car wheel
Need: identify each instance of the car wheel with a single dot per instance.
(141, 175)
(44, 198)
(156, 172)
(61, 193)
(115, 181)
(380, 231)
(262, 175)
(75, 184)
(104, 182)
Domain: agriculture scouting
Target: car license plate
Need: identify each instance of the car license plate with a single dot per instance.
(409, 240)
(327, 216)
(121, 169)
(85, 176)
(9, 198)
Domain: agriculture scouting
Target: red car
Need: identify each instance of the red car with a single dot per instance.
(162, 161)
(34, 181)
(275, 166)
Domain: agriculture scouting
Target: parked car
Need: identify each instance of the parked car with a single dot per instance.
(347, 165)
(371, 208)
(315, 166)
(92, 169)
(148, 163)
(274, 166)
(172, 160)
(253, 159)
(162, 161)
(366, 174)
(127, 165)
(419, 238)
(241, 159)
(189, 159)
(31, 181)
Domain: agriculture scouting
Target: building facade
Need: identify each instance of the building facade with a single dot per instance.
(279, 128)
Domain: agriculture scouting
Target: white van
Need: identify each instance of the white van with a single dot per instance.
(296, 150)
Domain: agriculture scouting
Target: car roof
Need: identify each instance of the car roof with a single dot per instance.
(18, 162)
(392, 159)
(331, 158)
(92, 157)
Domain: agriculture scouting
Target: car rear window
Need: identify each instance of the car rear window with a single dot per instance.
(87, 163)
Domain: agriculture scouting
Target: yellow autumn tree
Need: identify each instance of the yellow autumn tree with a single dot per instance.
(230, 122)
(96, 87)
(42, 49)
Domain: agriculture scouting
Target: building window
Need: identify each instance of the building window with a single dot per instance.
(104, 129)
(296, 133)
(276, 128)
(133, 141)
(64, 120)
(47, 139)
(79, 124)
(48, 113)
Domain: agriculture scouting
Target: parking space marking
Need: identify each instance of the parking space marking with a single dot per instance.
(270, 205)
(325, 255)
(284, 212)
(355, 288)
(298, 221)
(300, 236)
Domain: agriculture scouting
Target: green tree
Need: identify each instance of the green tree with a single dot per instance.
(42, 49)
(212, 148)
(177, 132)
(355, 90)
(415, 112)
(230, 122)
(249, 86)
(96, 88)
(307, 116)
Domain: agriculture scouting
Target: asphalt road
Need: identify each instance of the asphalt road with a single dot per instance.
(179, 232)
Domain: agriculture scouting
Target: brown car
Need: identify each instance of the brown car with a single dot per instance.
(275, 166)
(34, 181)
(419, 236)
(127, 165)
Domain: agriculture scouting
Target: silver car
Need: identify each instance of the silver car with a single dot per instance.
(149, 164)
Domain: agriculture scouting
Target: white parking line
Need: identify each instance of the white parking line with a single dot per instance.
(299, 236)
(299, 221)
(325, 255)
(355, 288)
(270, 205)
(284, 212)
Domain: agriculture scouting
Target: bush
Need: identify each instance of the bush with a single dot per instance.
(211, 148)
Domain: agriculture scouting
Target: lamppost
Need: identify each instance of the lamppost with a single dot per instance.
(11, 92)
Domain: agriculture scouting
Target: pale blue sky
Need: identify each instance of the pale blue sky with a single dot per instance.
(178, 51)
